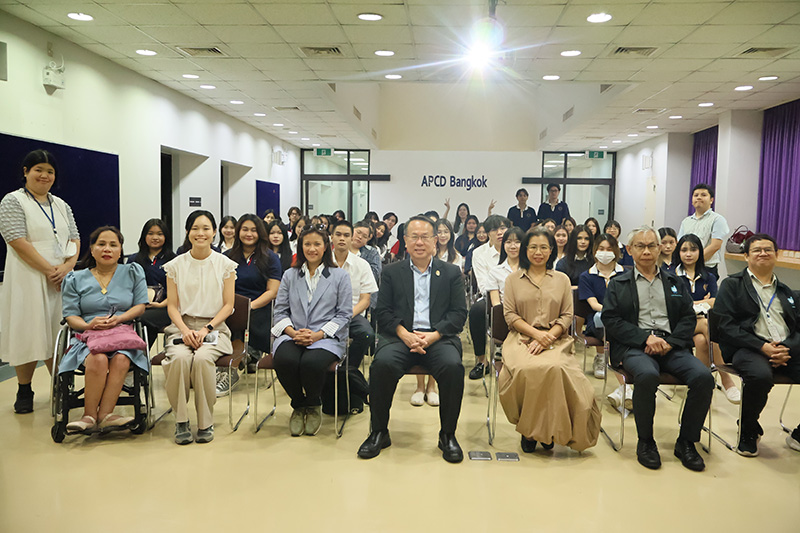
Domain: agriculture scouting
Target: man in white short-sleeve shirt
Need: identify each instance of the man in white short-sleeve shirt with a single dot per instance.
(710, 227)
(363, 283)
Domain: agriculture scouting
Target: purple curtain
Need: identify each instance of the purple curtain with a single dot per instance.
(704, 160)
(779, 179)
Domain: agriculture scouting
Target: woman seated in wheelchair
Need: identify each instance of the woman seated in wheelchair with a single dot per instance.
(99, 298)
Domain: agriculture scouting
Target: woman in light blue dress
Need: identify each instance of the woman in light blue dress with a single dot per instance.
(99, 295)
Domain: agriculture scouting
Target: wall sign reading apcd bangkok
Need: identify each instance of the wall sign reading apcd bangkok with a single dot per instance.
(454, 182)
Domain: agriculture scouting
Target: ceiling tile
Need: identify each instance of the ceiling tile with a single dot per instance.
(58, 12)
(584, 35)
(293, 14)
(784, 34)
(220, 13)
(334, 64)
(757, 13)
(653, 35)
(149, 14)
(725, 34)
(448, 16)
(307, 34)
(378, 34)
(115, 34)
(195, 35)
(249, 34)
(694, 51)
(675, 13)
(29, 15)
(263, 51)
(279, 64)
(367, 50)
(70, 34)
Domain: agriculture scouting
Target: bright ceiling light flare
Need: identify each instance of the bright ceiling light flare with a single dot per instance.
(675, 117)
(208, 87)
(370, 17)
(616, 142)
(603, 146)
(479, 56)
(768, 78)
(393, 76)
(146, 52)
(551, 77)
(633, 135)
(571, 53)
(278, 125)
(191, 76)
(597, 18)
(744, 88)
(259, 114)
(83, 17)
(384, 53)
(705, 104)
(237, 102)
(652, 127)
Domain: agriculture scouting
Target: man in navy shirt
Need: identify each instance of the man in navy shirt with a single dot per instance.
(552, 208)
(521, 215)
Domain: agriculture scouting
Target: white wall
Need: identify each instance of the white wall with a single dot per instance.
(108, 108)
(637, 187)
(405, 195)
(738, 160)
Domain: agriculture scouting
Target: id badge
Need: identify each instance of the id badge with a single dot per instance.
(212, 338)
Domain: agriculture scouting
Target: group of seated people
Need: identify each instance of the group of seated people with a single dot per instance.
(312, 282)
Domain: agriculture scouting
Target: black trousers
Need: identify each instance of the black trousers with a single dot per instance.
(392, 360)
(477, 326)
(260, 324)
(155, 319)
(684, 366)
(302, 372)
(362, 336)
(757, 378)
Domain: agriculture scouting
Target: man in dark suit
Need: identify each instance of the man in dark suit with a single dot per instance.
(650, 322)
(758, 321)
(421, 310)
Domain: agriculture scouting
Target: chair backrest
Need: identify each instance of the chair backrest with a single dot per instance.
(580, 307)
(713, 325)
(499, 326)
(239, 321)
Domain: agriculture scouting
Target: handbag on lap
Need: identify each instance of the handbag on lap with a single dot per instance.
(120, 337)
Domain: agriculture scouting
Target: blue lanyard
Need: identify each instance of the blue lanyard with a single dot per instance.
(52, 218)
(766, 307)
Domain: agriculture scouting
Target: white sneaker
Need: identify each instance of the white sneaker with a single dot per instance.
(629, 398)
(223, 385)
(734, 395)
(599, 366)
(615, 398)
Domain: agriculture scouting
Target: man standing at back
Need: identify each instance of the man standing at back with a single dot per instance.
(521, 214)
(710, 227)
(421, 310)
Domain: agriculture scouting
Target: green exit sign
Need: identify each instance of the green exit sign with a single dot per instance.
(324, 151)
(595, 155)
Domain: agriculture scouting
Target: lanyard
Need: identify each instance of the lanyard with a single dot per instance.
(52, 218)
(766, 307)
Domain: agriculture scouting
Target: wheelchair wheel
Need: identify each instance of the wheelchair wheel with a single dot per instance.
(58, 432)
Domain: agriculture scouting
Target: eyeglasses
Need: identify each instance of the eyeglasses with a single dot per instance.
(639, 247)
(415, 238)
(759, 251)
(535, 248)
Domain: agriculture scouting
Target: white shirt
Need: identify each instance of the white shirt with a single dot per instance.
(459, 261)
(497, 277)
(483, 259)
(200, 282)
(361, 278)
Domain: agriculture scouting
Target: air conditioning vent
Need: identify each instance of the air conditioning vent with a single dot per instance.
(756, 52)
(326, 136)
(332, 86)
(649, 111)
(568, 113)
(211, 51)
(321, 51)
(286, 108)
(633, 51)
(357, 113)
(604, 87)
(543, 134)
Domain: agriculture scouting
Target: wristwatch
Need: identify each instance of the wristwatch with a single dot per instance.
(209, 327)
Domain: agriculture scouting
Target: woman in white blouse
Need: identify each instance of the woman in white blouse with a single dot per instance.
(509, 262)
(200, 295)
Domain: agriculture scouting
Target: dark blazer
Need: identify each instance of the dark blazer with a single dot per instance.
(448, 308)
(737, 310)
(621, 314)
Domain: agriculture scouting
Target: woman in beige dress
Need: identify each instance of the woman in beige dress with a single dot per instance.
(542, 388)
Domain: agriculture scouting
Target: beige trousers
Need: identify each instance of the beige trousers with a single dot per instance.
(186, 368)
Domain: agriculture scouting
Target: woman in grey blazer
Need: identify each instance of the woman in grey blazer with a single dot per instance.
(312, 316)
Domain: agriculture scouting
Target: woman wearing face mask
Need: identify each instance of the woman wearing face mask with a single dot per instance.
(669, 239)
(562, 236)
(542, 389)
(613, 228)
(690, 266)
(578, 255)
(227, 234)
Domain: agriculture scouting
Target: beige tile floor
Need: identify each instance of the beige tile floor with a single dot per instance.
(270, 481)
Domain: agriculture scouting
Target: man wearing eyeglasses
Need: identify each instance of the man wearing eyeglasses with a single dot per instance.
(757, 330)
(650, 322)
(421, 310)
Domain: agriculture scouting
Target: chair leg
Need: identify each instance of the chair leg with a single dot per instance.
(255, 401)
(783, 409)
(340, 429)
(615, 446)
(234, 427)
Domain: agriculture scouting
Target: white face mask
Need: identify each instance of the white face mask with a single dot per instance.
(605, 257)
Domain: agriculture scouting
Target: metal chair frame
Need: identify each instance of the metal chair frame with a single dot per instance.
(499, 332)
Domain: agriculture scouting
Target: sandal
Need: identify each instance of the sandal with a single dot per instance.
(81, 425)
(115, 421)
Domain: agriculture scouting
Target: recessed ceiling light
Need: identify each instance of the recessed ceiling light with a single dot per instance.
(237, 102)
(652, 127)
(744, 88)
(549, 166)
(675, 116)
(551, 77)
(604, 147)
(371, 17)
(384, 53)
(768, 78)
(278, 125)
(83, 17)
(315, 144)
(305, 139)
(207, 87)
(598, 17)
(259, 114)
(571, 53)
(393, 76)
(145, 52)
(616, 142)
(292, 133)
(191, 76)
(705, 104)
(633, 135)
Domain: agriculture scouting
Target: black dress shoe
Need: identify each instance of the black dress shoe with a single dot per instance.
(687, 453)
(528, 446)
(451, 451)
(647, 454)
(376, 441)
(478, 371)
(24, 403)
(548, 446)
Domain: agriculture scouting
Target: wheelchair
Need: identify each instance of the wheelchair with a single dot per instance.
(66, 395)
